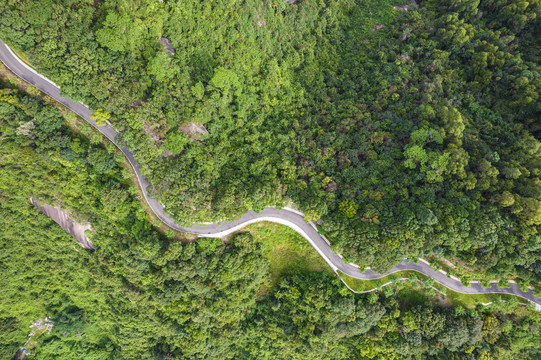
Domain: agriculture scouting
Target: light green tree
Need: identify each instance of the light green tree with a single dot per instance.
(161, 67)
(348, 208)
(175, 142)
(311, 216)
(432, 163)
(100, 116)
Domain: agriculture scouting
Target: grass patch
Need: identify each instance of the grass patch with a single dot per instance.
(471, 301)
(286, 250)
(412, 297)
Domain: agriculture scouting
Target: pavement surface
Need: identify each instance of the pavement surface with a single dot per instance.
(287, 217)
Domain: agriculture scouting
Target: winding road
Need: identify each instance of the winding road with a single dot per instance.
(288, 217)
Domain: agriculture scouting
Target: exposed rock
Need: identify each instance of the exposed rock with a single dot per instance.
(136, 103)
(404, 58)
(193, 130)
(332, 187)
(67, 223)
(168, 45)
(291, 1)
(378, 27)
(404, 36)
(404, 8)
(259, 21)
(150, 130)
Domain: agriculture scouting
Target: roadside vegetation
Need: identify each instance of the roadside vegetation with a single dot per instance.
(431, 290)
(23, 57)
(368, 285)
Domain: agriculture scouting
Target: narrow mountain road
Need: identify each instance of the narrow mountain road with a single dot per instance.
(287, 217)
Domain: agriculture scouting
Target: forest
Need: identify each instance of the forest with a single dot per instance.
(407, 129)
(415, 138)
(142, 295)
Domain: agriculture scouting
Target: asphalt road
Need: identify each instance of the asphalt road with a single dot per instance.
(286, 217)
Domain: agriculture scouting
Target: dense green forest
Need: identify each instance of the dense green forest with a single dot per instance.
(418, 137)
(408, 132)
(141, 295)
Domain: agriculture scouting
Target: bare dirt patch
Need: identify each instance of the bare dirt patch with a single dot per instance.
(150, 129)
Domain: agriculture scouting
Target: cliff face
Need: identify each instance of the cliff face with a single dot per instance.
(67, 223)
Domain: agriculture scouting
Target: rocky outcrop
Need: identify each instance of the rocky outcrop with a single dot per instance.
(193, 130)
(67, 223)
(168, 45)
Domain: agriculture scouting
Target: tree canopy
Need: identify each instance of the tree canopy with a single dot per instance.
(406, 129)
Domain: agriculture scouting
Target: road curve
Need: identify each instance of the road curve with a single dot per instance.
(288, 217)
